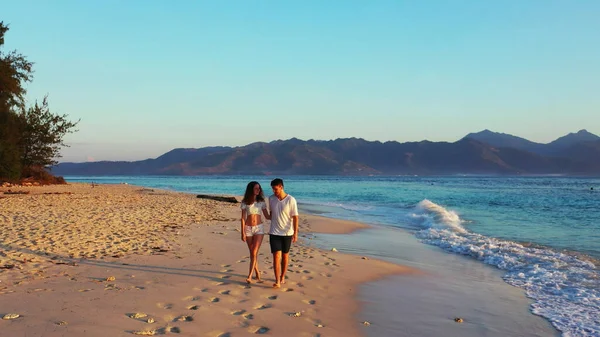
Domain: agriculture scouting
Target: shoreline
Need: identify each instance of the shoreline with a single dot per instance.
(154, 243)
(453, 286)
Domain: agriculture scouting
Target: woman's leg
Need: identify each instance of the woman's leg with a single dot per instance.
(250, 243)
(258, 238)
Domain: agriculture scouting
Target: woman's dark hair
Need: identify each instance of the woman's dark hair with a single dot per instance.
(249, 195)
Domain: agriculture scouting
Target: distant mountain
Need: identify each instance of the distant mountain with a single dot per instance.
(583, 152)
(497, 139)
(355, 156)
(141, 167)
(571, 139)
(554, 148)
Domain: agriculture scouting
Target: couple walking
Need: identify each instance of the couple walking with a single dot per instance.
(283, 213)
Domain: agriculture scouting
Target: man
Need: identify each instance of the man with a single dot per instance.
(284, 229)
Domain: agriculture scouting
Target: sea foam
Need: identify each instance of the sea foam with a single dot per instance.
(565, 288)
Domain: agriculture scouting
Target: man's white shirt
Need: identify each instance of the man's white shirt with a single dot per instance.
(282, 212)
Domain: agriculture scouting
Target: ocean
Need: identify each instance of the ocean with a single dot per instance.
(543, 233)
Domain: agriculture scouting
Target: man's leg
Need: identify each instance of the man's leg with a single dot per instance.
(285, 251)
(276, 248)
(277, 268)
(284, 266)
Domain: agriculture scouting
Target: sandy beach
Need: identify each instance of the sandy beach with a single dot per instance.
(119, 260)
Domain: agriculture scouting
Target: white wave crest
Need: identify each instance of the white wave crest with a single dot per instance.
(432, 215)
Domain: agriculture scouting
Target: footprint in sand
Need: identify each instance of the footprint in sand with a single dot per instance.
(194, 307)
(307, 278)
(306, 271)
(174, 329)
(311, 302)
(191, 298)
(238, 312)
(326, 274)
(241, 261)
(183, 318)
(214, 300)
(224, 292)
(249, 316)
(225, 265)
(226, 276)
(226, 270)
(221, 283)
(225, 334)
(287, 290)
(259, 330)
(164, 305)
(263, 307)
(274, 297)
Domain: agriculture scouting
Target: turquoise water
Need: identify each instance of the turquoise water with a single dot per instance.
(543, 231)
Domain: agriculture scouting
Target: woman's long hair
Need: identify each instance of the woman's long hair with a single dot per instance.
(249, 195)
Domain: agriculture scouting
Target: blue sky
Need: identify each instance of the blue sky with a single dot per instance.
(149, 76)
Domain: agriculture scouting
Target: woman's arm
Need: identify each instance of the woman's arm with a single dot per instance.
(243, 222)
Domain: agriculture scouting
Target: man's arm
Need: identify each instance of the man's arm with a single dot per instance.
(294, 214)
(295, 222)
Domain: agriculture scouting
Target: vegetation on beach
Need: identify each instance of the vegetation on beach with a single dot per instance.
(31, 136)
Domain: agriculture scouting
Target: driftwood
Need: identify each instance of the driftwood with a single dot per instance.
(232, 200)
(16, 192)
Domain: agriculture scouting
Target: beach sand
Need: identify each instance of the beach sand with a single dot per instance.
(119, 260)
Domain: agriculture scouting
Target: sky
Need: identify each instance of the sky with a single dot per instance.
(145, 77)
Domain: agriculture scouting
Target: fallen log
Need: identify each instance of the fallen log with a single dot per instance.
(232, 200)
(16, 192)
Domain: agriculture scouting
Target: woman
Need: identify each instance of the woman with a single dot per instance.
(252, 226)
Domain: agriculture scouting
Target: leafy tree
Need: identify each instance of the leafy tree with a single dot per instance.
(42, 135)
(10, 164)
(30, 137)
(14, 71)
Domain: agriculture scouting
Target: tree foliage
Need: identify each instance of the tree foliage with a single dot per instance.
(42, 134)
(30, 137)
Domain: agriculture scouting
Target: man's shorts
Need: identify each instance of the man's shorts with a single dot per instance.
(280, 243)
(254, 230)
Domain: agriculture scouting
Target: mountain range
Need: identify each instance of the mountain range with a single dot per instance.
(484, 152)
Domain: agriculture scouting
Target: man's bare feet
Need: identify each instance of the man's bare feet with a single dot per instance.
(249, 280)
(276, 285)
